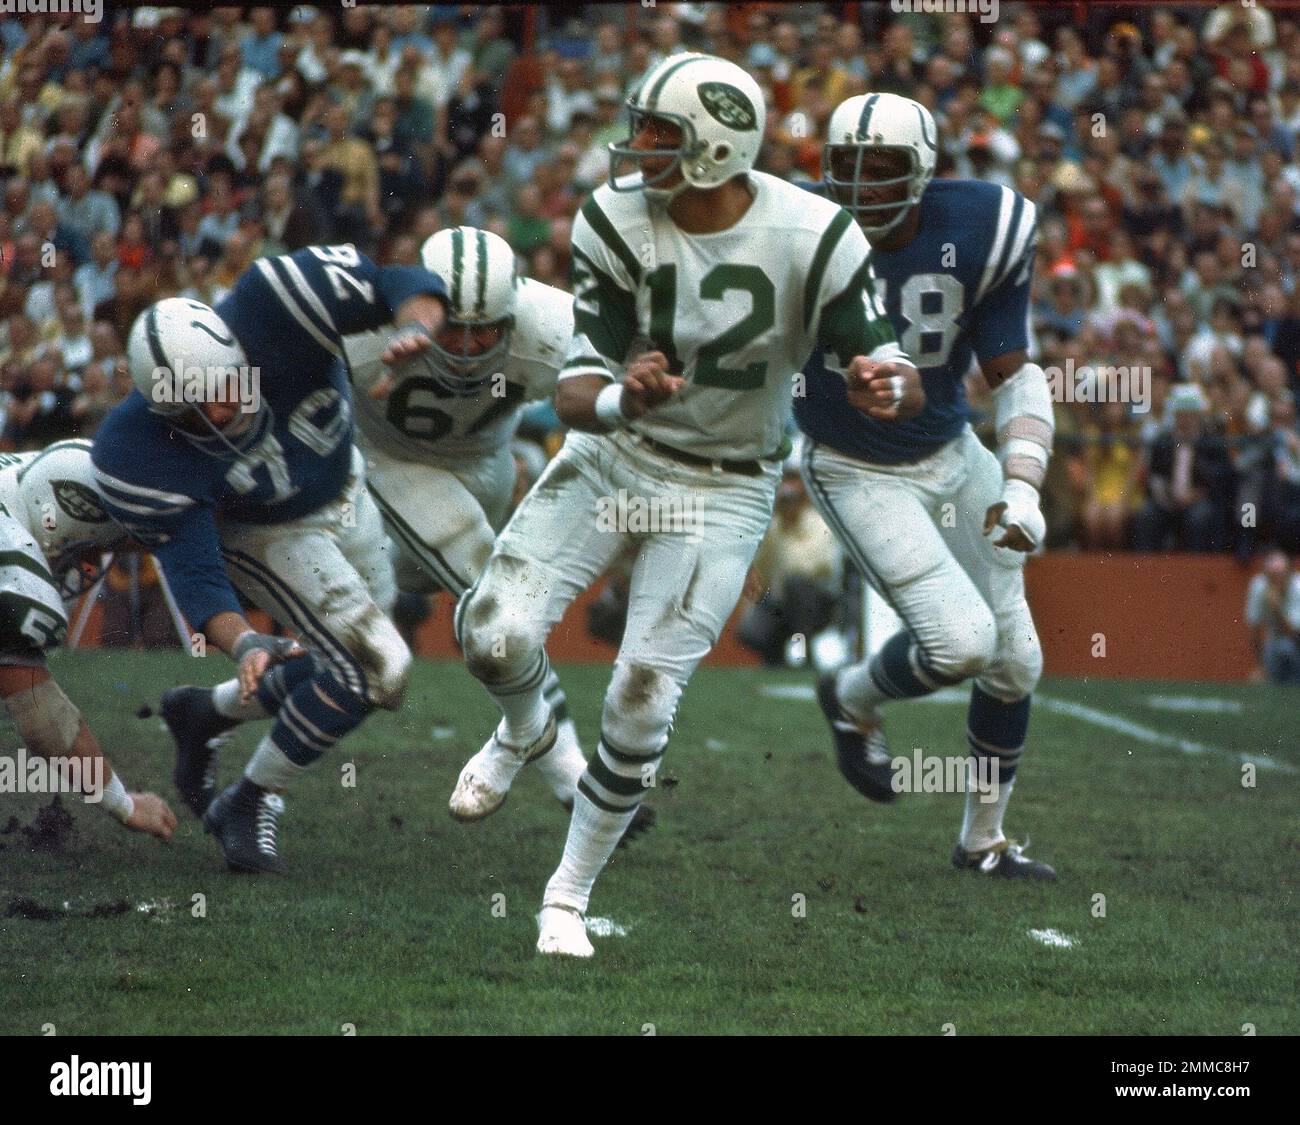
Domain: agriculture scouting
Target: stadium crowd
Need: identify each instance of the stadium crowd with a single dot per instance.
(159, 151)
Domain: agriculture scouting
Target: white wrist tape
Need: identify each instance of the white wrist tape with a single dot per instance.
(117, 800)
(1023, 415)
(609, 407)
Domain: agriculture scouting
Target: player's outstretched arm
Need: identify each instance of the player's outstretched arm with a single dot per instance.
(593, 403)
(51, 726)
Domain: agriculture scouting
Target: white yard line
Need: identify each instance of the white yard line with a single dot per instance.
(605, 927)
(1054, 938)
(1196, 704)
(1103, 719)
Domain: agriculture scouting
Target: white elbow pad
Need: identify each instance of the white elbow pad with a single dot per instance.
(1023, 416)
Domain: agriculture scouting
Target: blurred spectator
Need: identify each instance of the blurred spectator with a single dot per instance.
(800, 562)
(1273, 615)
(1189, 479)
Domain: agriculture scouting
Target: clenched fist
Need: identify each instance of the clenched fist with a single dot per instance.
(648, 383)
(889, 391)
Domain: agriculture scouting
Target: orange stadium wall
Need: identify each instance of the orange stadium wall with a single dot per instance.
(1164, 617)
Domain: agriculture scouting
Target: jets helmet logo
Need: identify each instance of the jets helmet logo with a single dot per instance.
(728, 106)
(79, 502)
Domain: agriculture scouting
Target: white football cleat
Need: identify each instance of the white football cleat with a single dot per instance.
(485, 781)
(563, 932)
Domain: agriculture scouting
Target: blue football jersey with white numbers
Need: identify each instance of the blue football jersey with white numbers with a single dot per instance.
(959, 289)
(289, 314)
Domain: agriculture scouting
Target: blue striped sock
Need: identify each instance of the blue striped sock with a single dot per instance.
(279, 682)
(307, 725)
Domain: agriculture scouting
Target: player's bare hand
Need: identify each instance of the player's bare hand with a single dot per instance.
(647, 383)
(1014, 538)
(755, 586)
(256, 652)
(889, 391)
(151, 814)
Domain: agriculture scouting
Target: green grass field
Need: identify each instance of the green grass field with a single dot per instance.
(387, 918)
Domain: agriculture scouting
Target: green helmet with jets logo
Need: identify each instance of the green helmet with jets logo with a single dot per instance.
(482, 280)
(719, 110)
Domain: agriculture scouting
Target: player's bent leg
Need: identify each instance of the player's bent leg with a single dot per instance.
(300, 575)
(889, 531)
(682, 592)
(550, 552)
(200, 721)
(997, 726)
(434, 519)
(502, 640)
(562, 765)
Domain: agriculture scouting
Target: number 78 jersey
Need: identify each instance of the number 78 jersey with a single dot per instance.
(959, 289)
(736, 312)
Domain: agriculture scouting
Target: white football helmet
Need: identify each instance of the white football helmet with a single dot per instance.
(482, 279)
(62, 509)
(885, 122)
(177, 352)
(720, 111)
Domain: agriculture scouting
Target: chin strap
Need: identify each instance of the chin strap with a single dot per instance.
(1025, 425)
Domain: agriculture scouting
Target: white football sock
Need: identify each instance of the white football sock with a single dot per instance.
(523, 717)
(593, 836)
(981, 826)
(225, 698)
(561, 767)
(270, 767)
(857, 692)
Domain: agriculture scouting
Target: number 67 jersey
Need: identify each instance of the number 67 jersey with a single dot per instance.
(959, 288)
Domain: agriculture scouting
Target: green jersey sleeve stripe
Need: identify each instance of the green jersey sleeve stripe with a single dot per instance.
(830, 237)
(612, 327)
(849, 324)
(604, 230)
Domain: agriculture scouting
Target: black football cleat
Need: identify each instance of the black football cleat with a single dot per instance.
(1006, 859)
(244, 821)
(198, 730)
(863, 756)
(643, 820)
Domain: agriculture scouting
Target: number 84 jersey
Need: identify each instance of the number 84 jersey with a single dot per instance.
(959, 289)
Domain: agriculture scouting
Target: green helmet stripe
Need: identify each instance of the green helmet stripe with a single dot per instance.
(670, 68)
(457, 267)
(482, 274)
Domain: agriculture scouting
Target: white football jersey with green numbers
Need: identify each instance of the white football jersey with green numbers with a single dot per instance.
(420, 421)
(737, 312)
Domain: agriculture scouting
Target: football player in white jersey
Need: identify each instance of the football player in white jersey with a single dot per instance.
(436, 433)
(50, 517)
(700, 289)
(936, 525)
